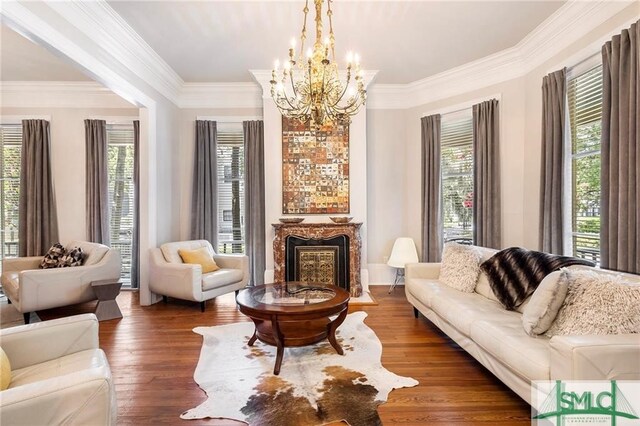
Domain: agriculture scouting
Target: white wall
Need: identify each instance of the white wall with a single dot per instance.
(520, 124)
(68, 160)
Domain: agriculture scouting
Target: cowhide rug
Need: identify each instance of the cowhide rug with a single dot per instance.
(315, 385)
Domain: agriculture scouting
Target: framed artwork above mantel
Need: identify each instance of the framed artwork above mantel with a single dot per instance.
(315, 168)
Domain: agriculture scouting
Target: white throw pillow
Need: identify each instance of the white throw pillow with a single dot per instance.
(544, 303)
(598, 303)
(460, 267)
(484, 288)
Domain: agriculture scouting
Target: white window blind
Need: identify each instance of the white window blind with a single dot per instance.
(456, 140)
(230, 165)
(10, 152)
(584, 95)
(121, 192)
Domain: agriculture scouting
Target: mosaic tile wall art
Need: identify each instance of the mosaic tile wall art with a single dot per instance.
(315, 168)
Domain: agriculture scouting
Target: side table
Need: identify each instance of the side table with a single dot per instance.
(106, 291)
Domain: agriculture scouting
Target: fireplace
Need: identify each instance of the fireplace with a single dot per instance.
(323, 261)
(318, 252)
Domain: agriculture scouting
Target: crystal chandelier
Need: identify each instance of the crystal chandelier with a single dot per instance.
(309, 86)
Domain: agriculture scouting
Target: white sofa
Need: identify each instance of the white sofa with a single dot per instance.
(496, 337)
(31, 289)
(59, 375)
(169, 276)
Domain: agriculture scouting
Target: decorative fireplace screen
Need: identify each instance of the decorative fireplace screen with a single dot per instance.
(324, 261)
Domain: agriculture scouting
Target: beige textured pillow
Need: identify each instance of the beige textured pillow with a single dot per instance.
(460, 267)
(598, 304)
(544, 303)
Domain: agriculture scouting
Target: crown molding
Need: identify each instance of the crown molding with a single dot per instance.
(102, 24)
(59, 94)
(572, 21)
(220, 95)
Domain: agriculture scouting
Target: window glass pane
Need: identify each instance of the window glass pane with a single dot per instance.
(230, 188)
(584, 94)
(457, 179)
(121, 193)
(10, 152)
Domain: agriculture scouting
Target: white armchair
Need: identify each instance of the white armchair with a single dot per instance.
(59, 375)
(31, 289)
(169, 276)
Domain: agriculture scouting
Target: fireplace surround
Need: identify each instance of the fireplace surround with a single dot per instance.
(329, 236)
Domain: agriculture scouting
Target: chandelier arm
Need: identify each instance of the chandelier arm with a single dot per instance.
(293, 86)
(344, 90)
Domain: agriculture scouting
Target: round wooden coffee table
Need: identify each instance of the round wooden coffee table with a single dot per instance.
(294, 314)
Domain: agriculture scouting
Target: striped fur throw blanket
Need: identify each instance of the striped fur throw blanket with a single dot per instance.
(515, 273)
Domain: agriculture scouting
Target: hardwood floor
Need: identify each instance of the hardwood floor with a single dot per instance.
(153, 353)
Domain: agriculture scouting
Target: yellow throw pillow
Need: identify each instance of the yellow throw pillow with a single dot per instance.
(200, 257)
(5, 370)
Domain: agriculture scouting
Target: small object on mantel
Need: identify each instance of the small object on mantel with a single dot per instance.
(340, 219)
(291, 219)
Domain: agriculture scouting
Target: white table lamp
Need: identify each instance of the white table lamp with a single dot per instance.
(403, 252)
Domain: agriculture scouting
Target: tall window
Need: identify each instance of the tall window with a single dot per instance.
(230, 188)
(10, 149)
(121, 192)
(457, 177)
(584, 94)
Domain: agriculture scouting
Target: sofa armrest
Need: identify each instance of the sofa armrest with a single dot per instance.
(86, 397)
(422, 270)
(181, 280)
(43, 341)
(12, 264)
(232, 261)
(595, 357)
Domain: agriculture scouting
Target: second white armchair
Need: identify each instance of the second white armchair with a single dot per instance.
(169, 276)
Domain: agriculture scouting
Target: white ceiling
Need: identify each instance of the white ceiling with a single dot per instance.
(405, 40)
(22, 60)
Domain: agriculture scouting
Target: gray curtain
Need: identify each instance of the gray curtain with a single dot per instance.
(97, 181)
(254, 199)
(552, 163)
(431, 182)
(487, 216)
(204, 212)
(38, 220)
(620, 228)
(135, 246)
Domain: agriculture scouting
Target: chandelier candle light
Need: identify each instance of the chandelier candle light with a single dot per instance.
(316, 91)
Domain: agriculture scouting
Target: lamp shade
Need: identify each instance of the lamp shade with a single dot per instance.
(403, 252)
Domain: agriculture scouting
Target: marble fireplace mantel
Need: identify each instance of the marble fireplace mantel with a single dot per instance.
(319, 231)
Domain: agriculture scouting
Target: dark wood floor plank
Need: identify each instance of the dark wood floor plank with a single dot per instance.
(153, 354)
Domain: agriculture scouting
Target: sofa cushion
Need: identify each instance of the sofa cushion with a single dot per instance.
(425, 289)
(514, 273)
(170, 250)
(69, 364)
(461, 310)
(200, 257)
(220, 278)
(597, 304)
(53, 256)
(544, 304)
(93, 252)
(506, 340)
(5, 370)
(73, 257)
(460, 266)
(484, 288)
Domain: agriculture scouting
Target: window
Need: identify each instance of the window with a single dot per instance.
(230, 188)
(584, 95)
(457, 177)
(120, 153)
(10, 152)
